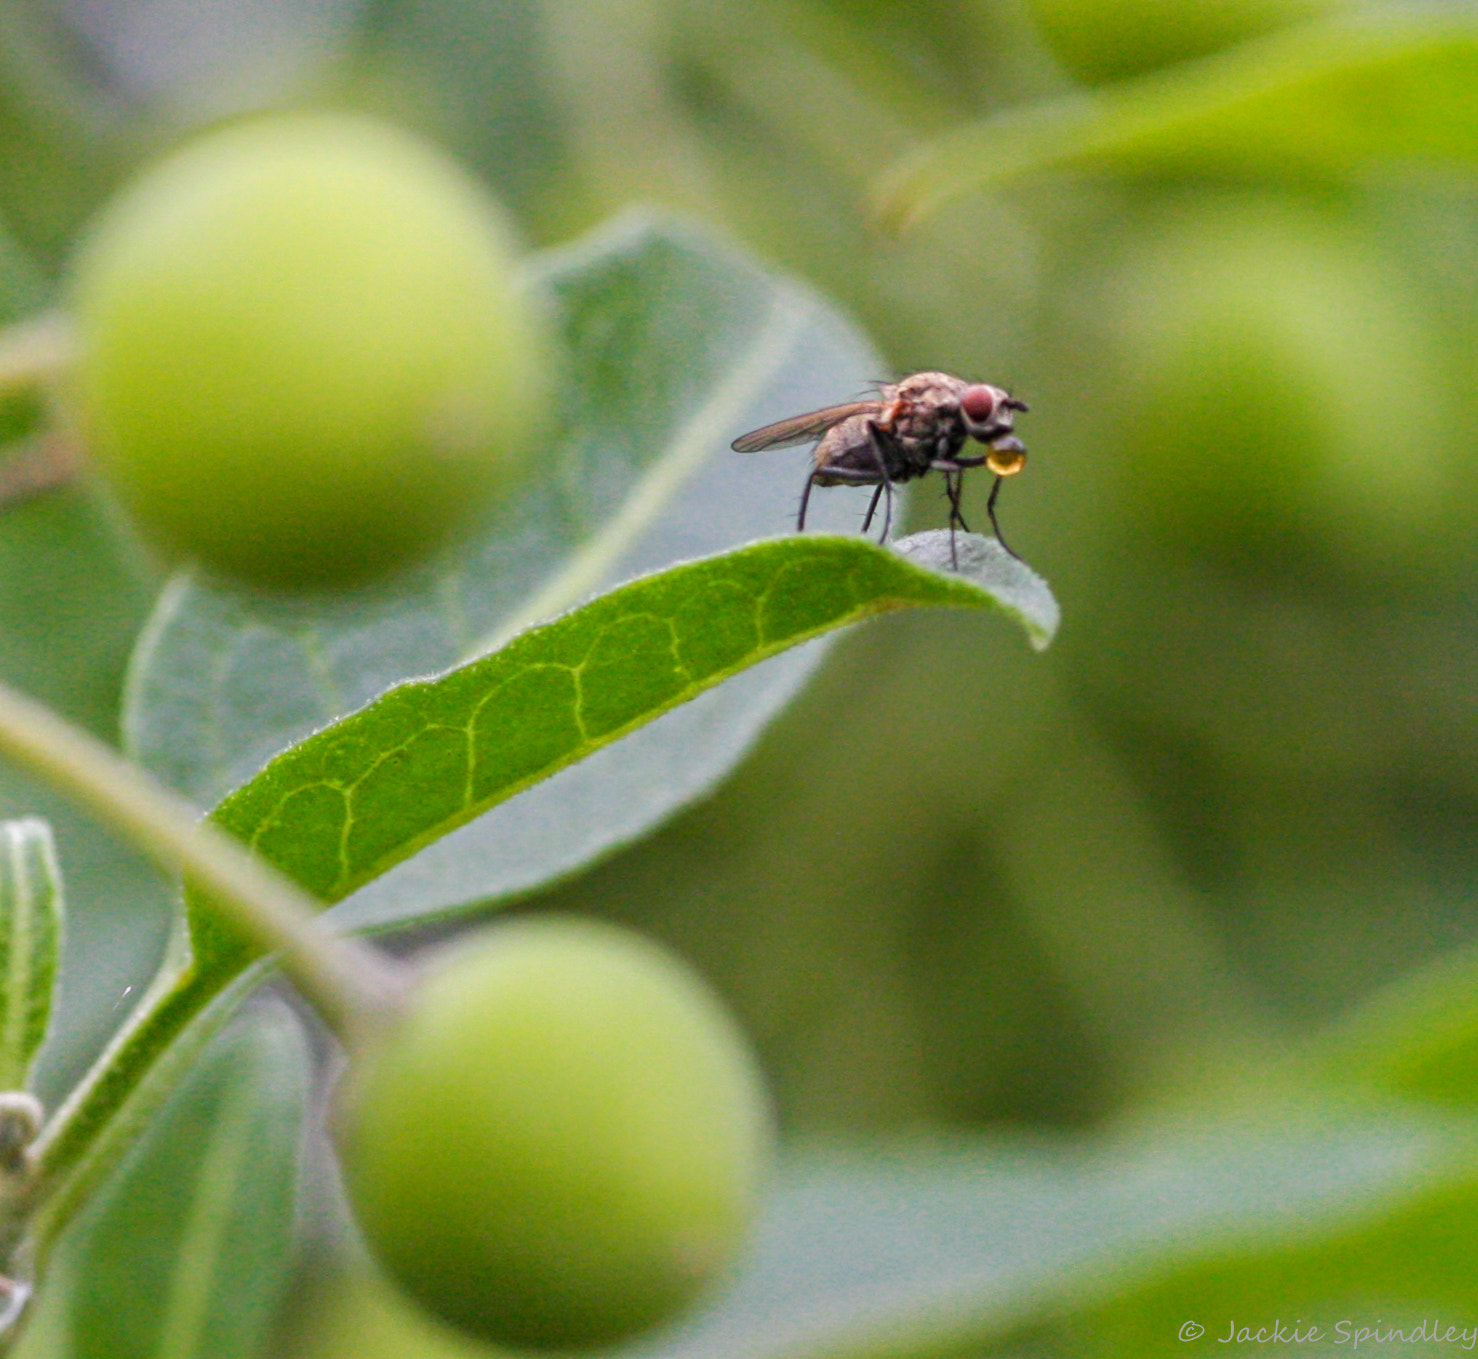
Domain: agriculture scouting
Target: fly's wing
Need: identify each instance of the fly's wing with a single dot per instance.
(801, 429)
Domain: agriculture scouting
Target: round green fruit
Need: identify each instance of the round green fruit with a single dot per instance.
(304, 357)
(560, 1142)
(1281, 385)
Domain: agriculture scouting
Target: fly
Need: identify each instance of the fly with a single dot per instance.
(918, 425)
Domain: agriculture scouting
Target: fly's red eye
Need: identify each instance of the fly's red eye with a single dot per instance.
(978, 403)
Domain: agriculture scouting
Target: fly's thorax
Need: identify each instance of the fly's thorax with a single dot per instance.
(926, 422)
(927, 388)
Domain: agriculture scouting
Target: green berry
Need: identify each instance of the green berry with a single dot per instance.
(1280, 386)
(304, 356)
(560, 1143)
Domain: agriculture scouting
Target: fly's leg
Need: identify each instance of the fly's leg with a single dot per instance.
(838, 476)
(875, 438)
(953, 485)
(800, 519)
(990, 509)
(872, 507)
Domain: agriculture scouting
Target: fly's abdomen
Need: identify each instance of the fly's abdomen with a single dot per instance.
(850, 451)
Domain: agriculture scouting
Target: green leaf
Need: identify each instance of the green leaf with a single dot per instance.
(1309, 102)
(186, 1251)
(955, 1248)
(675, 344)
(30, 943)
(427, 756)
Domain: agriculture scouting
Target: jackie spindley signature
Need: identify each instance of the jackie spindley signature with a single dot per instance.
(1351, 1333)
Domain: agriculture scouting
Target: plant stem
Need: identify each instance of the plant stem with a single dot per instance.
(350, 984)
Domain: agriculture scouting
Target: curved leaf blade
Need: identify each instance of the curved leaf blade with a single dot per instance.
(1323, 99)
(429, 755)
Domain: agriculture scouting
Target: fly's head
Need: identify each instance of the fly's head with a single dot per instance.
(988, 413)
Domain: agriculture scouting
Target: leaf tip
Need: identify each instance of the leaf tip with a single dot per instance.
(986, 564)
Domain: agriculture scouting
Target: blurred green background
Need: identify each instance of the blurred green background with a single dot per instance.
(958, 883)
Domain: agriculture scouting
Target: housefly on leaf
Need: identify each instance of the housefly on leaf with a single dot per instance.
(920, 424)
